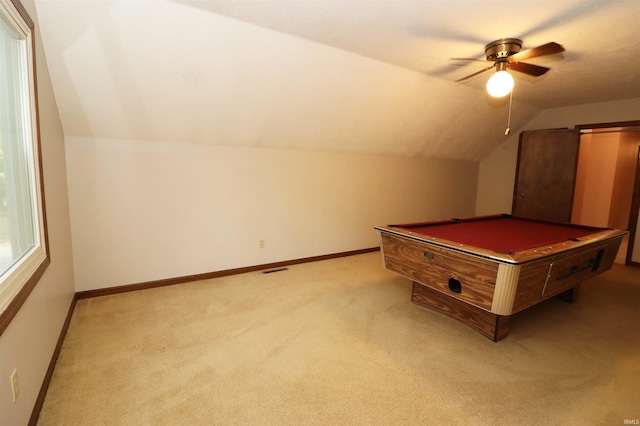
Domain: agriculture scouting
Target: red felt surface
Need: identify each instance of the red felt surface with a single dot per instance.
(503, 234)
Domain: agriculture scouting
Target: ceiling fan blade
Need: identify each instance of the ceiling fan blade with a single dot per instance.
(543, 50)
(475, 73)
(534, 70)
(468, 59)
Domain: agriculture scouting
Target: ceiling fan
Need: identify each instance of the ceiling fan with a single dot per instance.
(506, 55)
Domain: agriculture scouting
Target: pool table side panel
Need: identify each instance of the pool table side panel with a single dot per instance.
(433, 266)
(523, 256)
(530, 285)
(545, 278)
(582, 265)
(446, 244)
(495, 327)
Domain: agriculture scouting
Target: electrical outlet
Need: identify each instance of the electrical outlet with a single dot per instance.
(15, 390)
(261, 244)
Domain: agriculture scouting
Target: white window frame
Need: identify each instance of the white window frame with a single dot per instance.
(20, 279)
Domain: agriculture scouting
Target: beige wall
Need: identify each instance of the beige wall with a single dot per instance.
(28, 343)
(605, 179)
(144, 211)
(497, 170)
(595, 179)
(624, 179)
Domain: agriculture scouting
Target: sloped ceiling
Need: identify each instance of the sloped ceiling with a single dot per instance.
(357, 76)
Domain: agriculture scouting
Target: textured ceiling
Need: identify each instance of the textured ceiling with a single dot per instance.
(357, 76)
(600, 36)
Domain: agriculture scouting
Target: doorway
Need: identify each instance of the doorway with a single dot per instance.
(606, 189)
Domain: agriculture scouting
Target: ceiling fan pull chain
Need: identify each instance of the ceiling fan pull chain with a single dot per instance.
(506, 132)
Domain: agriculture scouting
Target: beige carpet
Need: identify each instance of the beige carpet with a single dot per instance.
(339, 342)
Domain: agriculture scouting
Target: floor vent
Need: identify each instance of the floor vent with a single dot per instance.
(275, 270)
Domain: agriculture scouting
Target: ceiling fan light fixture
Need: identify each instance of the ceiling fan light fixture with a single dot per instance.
(500, 84)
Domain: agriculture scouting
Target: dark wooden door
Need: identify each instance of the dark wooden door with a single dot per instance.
(546, 174)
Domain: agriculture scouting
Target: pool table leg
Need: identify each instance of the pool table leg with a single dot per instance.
(570, 295)
(495, 327)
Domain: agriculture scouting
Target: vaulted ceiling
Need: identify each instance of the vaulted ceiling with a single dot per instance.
(358, 76)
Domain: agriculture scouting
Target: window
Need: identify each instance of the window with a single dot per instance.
(23, 242)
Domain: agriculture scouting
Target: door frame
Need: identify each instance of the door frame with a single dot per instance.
(635, 212)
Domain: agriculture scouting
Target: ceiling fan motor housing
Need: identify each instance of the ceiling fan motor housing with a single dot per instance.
(501, 49)
(505, 54)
